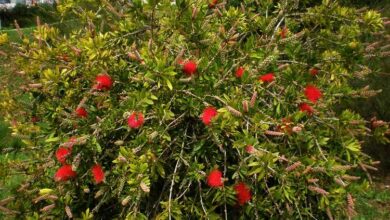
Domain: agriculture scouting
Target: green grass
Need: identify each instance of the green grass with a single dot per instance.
(10, 156)
(374, 204)
(13, 34)
(6, 140)
(10, 181)
(9, 146)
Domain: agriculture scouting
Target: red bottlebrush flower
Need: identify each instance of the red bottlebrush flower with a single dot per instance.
(243, 193)
(240, 71)
(34, 119)
(283, 32)
(64, 173)
(208, 114)
(312, 93)
(81, 112)
(135, 120)
(189, 68)
(214, 179)
(250, 149)
(285, 126)
(62, 153)
(213, 3)
(313, 71)
(103, 82)
(269, 77)
(98, 173)
(304, 107)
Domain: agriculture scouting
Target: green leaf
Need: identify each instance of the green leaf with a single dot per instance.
(253, 164)
(169, 84)
(52, 139)
(255, 171)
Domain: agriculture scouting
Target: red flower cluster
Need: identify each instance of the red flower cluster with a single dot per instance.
(98, 173)
(62, 153)
(285, 126)
(34, 119)
(243, 193)
(215, 179)
(313, 71)
(103, 82)
(189, 68)
(240, 71)
(312, 93)
(64, 173)
(283, 32)
(135, 120)
(304, 107)
(81, 112)
(208, 114)
(213, 3)
(269, 77)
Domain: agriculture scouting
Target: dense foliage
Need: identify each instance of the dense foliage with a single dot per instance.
(195, 109)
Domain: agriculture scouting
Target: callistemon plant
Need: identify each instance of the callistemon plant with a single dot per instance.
(195, 109)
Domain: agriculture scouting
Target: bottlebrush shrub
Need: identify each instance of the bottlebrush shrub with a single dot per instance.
(173, 131)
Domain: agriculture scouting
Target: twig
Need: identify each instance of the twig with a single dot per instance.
(191, 94)
(174, 121)
(319, 148)
(224, 174)
(201, 200)
(219, 99)
(187, 188)
(171, 189)
(276, 28)
(272, 198)
(173, 176)
(299, 213)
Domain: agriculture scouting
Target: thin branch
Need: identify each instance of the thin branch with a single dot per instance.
(174, 174)
(171, 189)
(184, 192)
(276, 28)
(201, 200)
(191, 94)
(224, 174)
(319, 148)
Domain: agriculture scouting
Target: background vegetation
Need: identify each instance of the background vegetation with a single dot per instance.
(26, 15)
